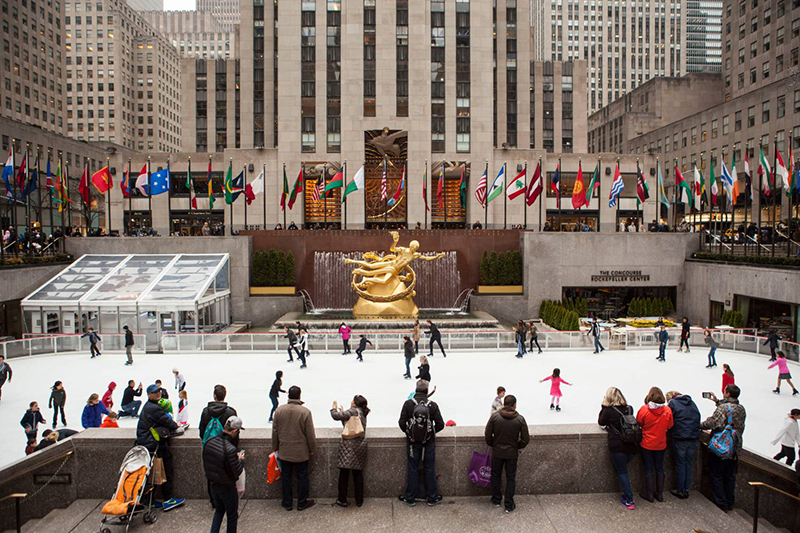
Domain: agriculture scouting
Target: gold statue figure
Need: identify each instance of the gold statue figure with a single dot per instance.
(386, 285)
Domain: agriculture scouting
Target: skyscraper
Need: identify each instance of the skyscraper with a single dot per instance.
(703, 36)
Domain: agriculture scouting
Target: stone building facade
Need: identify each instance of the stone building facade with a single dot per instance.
(195, 34)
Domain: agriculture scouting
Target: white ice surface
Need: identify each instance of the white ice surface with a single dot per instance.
(466, 384)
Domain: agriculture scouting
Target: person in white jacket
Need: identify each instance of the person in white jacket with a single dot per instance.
(302, 344)
(788, 436)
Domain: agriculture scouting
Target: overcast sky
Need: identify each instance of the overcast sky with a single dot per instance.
(179, 5)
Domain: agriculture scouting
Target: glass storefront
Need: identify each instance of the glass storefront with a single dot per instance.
(190, 223)
(767, 315)
(612, 302)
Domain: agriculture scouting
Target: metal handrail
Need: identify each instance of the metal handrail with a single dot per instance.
(755, 241)
(756, 486)
(17, 496)
(714, 237)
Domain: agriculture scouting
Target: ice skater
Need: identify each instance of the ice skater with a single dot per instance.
(128, 345)
(30, 423)
(436, 336)
(417, 331)
(292, 338)
(594, 331)
(783, 373)
(789, 437)
(302, 344)
(362, 345)
(94, 340)
(5, 374)
(182, 416)
(300, 327)
(772, 341)
(728, 377)
(344, 331)
(58, 398)
(180, 382)
(424, 369)
(519, 337)
(685, 333)
(409, 352)
(663, 339)
(274, 391)
(712, 349)
(533, 335)
(555, 388)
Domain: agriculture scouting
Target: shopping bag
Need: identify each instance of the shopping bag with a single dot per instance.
(240, 484)
(273, 469)
(353, 428)
(480, 469)
(159, 475)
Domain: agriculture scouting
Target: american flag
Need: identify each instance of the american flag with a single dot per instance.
(384, 184)
(318, 189)
(480, 191)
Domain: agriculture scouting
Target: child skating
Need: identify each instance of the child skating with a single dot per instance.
(58, 399)
(783, 373)
(362, 345)
(555, 388)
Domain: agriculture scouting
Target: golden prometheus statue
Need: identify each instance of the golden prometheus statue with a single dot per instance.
(386, 285)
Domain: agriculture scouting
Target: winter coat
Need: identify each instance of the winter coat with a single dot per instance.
(129, 394)
(772, 340)
(92, 415)
(31, 419)
(362, 343)
(302, 342)
(180, 382)
(655, 420)
(533, 333)
(507, 433)
(408, 350)
(153, 416)
(221, 461)
(685, 329)
(685, 418)
(424, 372)
(219, 410)
(407, 412)
(292, 337)
(276, 388)
(352, 452)
(710, 342)
(610, 418)
(434, 332)
(788, 435)
(497, 404)
(128, 338)
(416, 334)
(727, 380)
(717, 421)
(5, 373)
(663, 337)
(293, 435)
(94, 338)
(58, 398)
(782, 364)
(345, 332)
(108, 399)
(555, 385)
(594, 329)
(109, 422)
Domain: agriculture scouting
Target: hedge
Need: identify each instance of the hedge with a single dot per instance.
(749, 259)
(273, 268)
(650, 307)
(733, 319)
(504, 268)
(555, 315)
(36, 259)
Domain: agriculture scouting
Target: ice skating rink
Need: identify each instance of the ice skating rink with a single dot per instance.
(465, 381)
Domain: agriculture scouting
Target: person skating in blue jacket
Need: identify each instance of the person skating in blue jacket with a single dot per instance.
(663, 339)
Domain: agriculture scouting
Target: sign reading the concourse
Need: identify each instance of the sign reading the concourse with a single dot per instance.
(620, 276)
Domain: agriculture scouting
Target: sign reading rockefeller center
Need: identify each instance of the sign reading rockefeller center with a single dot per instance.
(620, 276)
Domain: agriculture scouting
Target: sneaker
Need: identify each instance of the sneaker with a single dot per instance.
(436, 499)
(309, 503)
(172, 503)
(558, 408)
(340, 503)
(128, 363)
(628, 503)
(287, 507)
(290, 360)
(510, 509)
(496, 504)
(410, 503)
(156, 505)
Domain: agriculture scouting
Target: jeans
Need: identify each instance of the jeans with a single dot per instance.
(684, 460)
(226, 502)
(131, 409)
(620, 461)
(597, 346)
(359, 353)
(302, 483)
(653, 460)
(520, 348)
(346, 345)
(416, 346)
(662, 351)
(712, 358)
(723, 480)
(786, 452)
(289, 351)
(684, 342)
(437, 340)
(772, 356)
(56, 410)
(274, 406)
(510, 466)
(428, 458)
(93, 349)
(129, 353)
(358, 485)
(536, 340)
(408, 366)
(301, 354)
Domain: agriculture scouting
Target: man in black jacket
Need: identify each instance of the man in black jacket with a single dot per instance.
(128, 345)
(220, 410)
(424, 451)
(772, 340)
(224, 464)
(153, 423)
(507, 433)
(436, 337)
(130, 406)
(685, 332)
(290, 335)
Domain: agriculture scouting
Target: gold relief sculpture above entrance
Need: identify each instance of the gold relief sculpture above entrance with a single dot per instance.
(386, 285)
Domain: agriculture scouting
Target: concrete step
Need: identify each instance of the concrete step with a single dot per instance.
(27, 527)
(763, 525)
(61, 520)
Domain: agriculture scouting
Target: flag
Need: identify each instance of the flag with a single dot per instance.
(337, 182)
(662, 194)
(462, 188)
(733, 193)
(480, 190)
(49, 180)
(594, 184)
(124, 184)
(535, 186)
(517, 187)
(713, 184)
(727, 179)
(285, 192)
(792, 173)
(578, 194)
(425, 187)
(616, 187)
(83, 186)
(21, 171)
(683, 185)
(159, 182)
(555, 184)
(33, 179)
(211, 189)
(781, 172)
(767, 171)
(356, 184)
(748, 181)
(8, 173)
(384, 183)
(497, 185)
(319, 188)
(102, 180)
(233, 186)
(59, 188)
(143, 180)
(642, 190)
(190, 186)
(396, 198)
(440, 187)
(254, 187)
(299, 185)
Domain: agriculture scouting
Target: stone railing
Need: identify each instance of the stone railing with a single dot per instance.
(559, 459)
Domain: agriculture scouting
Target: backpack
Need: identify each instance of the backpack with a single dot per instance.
(213, 429)
(629, 432)
(725, 443)
(419, 427)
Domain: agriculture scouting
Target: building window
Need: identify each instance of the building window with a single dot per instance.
(737, 121)
(308, 78)
(780, 110)
(437, 77)
(548, 113)
(334, 66)
(463, 71)
(511, 75)
(369, 58)
(751, 116)
(765, 112)
(402, 58)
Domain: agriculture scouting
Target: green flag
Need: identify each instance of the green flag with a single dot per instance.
(593, 184)
(356, 184)
(662, 194)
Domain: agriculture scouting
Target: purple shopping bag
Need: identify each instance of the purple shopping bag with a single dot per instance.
(480, 469)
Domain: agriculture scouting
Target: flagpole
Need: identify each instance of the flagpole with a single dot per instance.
(65, 183)
(130, 198)
(386, 200)
(149, 194)
(50, 195)
(746, 178)
(304, 225)
(244, 184)
(14, 197)
(365, 195)
(425, 189)
(543, 193)
(486, 199)
(558, 193)
(344, 188)
(87, 213)
(791, 199)
(27, 196)
(40, 217)
(773, 194)
(618, 196)
(225, 188)
(264, 191)
(525, 199)
(580, 218)
(505, 195)
(284, 196)
(324, 196)
(108, 197)
(599, 179)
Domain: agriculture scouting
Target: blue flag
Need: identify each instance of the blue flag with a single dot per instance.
(33, 180)
(8, 174)
(159, 182)
(237, 186)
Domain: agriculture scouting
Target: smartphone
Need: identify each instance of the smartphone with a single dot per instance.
(708, 395)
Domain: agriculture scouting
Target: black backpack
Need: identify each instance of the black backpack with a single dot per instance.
(419, 427)
(630, 432)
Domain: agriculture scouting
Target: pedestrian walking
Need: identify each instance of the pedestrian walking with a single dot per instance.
(655, 418)
(180, 382)
(5, 374)
(58, 399)
(128, 345)
(624, 435)
(362, 345)
(108, 397)
(93, 412)
(729, 412)
(409, 352)
(497, 404)
(344, 331)
(663, 339)
(292, 338)
(130, 405)
(274, 391)
(421, 420)
(685, 334)
(783, 373)
(436, 336)
(294, 441)
(594, 331)
(424, 369)
(772, 341)
(712, 349)
(685, 434)
(728, 378)
(789, 437)
(224, 465)
(94, 340)
(352, 457)
(555, 388)
(212, 422)
(30, 423)
(507, 434)
(533, 336)
(519, 338)
(416, 335)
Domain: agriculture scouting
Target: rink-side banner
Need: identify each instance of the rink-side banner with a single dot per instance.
(621, 276)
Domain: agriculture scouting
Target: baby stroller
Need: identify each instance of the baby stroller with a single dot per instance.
(132, 488)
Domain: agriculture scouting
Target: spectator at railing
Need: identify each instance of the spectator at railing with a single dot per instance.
(621, 444)
(723, 471)
(685, 435)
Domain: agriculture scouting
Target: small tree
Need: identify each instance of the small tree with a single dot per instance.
(516, 267)
(492, 269)
(271, 268)
(484, 271)
(288, 279)
(260, 268)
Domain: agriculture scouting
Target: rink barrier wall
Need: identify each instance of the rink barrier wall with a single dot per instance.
(560, 459)
(47, 344)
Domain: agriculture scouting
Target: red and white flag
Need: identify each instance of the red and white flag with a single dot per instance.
(536, 185)
(384, 183)
(480, 190)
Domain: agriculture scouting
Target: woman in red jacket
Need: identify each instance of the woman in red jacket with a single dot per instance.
(727, 377)
(655, 418)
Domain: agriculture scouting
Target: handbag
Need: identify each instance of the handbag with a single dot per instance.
(480, 469)
(159, 475)
(725, 443)
(273, 469)
(353, 427)
(240, 484)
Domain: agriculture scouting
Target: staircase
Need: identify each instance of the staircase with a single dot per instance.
(61, 520)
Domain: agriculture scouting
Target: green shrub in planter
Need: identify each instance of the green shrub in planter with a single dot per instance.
(273, 268)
